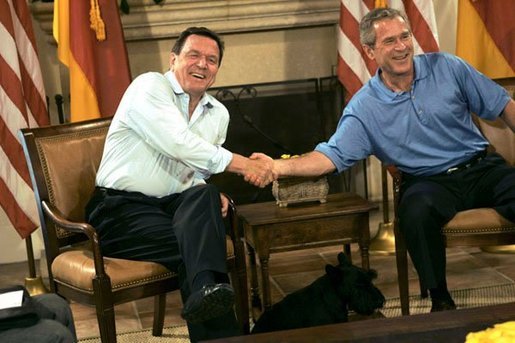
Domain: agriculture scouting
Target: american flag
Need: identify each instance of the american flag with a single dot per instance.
(354, 67)
(22, 104)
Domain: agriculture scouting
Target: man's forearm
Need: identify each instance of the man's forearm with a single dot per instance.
(310, 164)
(257, 171)
(508, 115)
(237, 165)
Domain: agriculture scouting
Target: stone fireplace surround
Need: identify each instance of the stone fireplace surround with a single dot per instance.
(148, 20)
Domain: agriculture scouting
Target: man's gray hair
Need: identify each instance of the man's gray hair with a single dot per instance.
(367, 33)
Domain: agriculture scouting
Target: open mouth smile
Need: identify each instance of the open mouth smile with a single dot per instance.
(198, 76)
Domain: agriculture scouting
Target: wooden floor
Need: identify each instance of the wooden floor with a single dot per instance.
(467, 268)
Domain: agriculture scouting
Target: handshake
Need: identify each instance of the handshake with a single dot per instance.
(261, 170)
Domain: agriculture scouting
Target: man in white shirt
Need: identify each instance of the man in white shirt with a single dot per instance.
(152, 202)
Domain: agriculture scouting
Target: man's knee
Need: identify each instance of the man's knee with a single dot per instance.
(202, 194)
(52, 331)
(416, 207)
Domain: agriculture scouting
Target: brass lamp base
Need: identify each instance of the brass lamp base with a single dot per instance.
(384, 241)
(500, 249)
(35, 286)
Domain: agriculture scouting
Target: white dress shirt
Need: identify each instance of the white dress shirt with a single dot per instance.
(153, 147)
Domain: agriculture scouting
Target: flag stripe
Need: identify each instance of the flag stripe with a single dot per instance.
(22, 104)
(501, 11)
(352, 57)
(95, 67)
(351, 35)
(9, 203)
(352, 81)
(422, 31)
(18, 186)
(10, 93)
(475, 44)
(11, 84)
(354, 67)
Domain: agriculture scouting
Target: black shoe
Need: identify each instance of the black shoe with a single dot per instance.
(442, 305)
(210, 302)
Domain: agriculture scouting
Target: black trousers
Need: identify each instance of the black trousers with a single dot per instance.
(428, 203)
(184, 232)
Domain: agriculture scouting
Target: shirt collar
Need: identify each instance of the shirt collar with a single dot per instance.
(177, 89)
(421, 72)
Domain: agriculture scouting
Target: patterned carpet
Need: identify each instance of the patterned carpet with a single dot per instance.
(174, 334)
(464, 298)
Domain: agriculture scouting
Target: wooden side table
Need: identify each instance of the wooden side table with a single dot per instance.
(268, 228)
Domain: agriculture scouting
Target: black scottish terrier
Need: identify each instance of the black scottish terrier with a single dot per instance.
(326, 301)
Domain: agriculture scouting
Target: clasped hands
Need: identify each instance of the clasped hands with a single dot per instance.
(261, 170)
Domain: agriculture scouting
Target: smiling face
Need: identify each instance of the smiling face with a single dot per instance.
(393, 48)
(197, 64)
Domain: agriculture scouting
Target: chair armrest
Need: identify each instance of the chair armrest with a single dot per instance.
(77, 227)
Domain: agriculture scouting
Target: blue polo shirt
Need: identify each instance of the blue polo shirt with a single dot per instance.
(424, 131)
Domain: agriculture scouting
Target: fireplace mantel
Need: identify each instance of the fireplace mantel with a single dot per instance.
(150, 21)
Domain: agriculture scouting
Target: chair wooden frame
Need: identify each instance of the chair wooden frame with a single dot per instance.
(464, 229)
(47, 151)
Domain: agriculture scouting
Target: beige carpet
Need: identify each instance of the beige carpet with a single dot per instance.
(174, 334)
(464, 298)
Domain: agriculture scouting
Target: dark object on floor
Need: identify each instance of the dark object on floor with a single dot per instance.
(439, 305)
(209, 302)
(326, 301)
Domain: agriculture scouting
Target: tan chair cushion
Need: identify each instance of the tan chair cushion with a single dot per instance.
(76, 268)
(478, 220)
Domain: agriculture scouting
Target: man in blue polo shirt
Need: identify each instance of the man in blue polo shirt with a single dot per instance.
(415, 113)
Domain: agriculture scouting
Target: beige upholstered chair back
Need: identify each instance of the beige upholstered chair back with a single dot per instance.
(65, 160)
(70, 164)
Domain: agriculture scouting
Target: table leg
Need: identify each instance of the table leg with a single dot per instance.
(365, 262)
(267, 296)
(254, 285)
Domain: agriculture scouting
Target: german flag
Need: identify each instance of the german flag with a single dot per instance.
(91, 44)
(486, 36)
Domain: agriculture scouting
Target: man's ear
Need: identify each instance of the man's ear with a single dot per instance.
(171, 60)
(368, 51)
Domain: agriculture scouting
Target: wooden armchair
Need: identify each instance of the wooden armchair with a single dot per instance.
(63, 161)
(481, 227)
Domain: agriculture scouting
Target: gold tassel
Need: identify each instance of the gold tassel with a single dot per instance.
(380, 3)
(96, 22)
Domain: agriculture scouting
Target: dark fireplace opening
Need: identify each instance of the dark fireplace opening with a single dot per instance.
(277, 118)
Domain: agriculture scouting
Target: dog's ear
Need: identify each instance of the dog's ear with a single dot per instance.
(343, 260)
